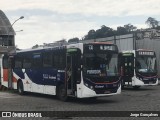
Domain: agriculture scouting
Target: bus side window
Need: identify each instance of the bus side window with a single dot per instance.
(59, 60)
(27, 63)
(47, 59)
(37, 61)
(18, 62)
(62, 61)
(55, 61)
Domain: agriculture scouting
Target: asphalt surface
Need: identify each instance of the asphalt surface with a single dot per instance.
(143, 99)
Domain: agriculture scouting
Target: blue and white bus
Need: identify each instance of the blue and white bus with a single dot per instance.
(79, 70)
(138, 68)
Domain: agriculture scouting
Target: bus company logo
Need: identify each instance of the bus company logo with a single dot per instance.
(99, 86)
(6, 114)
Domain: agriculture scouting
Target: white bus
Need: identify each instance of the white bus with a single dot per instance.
(138, 68)
(79, 70)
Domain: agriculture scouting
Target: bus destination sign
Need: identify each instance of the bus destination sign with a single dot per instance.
(149, 53)
(101, 47)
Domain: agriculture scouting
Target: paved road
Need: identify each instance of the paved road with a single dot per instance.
(144, 99)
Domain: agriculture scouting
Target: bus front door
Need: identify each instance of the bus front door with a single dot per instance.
(127, 67)
(73, 73)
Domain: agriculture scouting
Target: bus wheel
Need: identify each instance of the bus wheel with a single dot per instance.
(20, 88)
(62, 93)
(136, 87)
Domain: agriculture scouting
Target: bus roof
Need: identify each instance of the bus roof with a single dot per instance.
(79, 45)
(110, 43)
(42, 48)
(133, 51)
(144, 50)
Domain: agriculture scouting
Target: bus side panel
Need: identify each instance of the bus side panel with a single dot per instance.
(41, 80)
(5, 75)
(42, 76)
(51, 90)
(14, 82)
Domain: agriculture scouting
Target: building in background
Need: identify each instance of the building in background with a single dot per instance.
(7, 34)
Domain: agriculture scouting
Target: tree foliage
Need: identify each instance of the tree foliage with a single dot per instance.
(105, 31)
(35, 46)
(121, 31)
(130, 28)
(100, 33)
(76, 40)
(152, 22)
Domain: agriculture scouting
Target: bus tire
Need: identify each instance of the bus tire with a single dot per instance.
(20, 88)
(62, 93)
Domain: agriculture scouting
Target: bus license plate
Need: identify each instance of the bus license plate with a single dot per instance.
(107, 92)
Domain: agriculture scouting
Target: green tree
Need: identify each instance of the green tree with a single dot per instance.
(152, 22)
(130, 28)
(35, 46)
(75, 40)
(121, 31)
(104, 32)
(91, 35)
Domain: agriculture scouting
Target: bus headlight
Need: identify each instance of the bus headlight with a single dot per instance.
(86, 84)
(89, 86)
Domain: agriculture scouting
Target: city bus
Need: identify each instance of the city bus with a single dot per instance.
(138, 68)
(81, 70)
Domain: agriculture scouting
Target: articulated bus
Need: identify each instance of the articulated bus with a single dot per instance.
(138, 68)
(79, 70)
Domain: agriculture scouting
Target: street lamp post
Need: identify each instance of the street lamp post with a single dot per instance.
(19, 31)
(11, 28)
(17, 20)
(10, 84)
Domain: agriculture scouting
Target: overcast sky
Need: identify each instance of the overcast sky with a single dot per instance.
(46, 21)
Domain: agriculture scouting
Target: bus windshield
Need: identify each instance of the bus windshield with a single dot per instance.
(146, 64)
(101, 64)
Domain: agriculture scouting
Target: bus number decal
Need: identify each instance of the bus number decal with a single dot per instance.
(46, 76)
